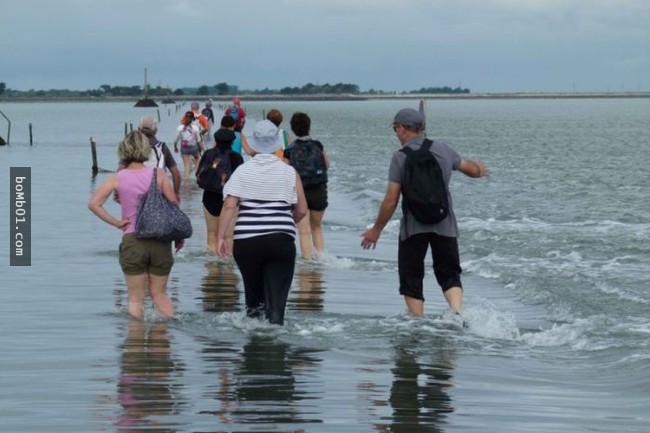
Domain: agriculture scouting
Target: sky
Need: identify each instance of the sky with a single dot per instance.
(390, 45)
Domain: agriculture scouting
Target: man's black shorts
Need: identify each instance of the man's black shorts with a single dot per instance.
(411, 254)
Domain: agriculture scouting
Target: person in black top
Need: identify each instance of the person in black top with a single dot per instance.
(213, 199)
(310, 160)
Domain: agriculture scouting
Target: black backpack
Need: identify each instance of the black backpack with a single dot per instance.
(424, 193)
(207, 112)
(306, 156)
(214, 170)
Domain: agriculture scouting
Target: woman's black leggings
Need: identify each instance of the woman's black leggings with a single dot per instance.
(266, 264)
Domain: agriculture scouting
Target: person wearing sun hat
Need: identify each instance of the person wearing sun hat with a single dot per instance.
(264, 242)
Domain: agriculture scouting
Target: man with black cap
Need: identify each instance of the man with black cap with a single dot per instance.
(415, 237)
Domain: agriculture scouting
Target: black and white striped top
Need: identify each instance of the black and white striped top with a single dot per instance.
(266, 188)
(259, 217)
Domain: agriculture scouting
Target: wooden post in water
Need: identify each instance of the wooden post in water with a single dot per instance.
(131, 126)
(31, 135)
(93, 149)
(158, 110)
(126, 129)
(8, 129)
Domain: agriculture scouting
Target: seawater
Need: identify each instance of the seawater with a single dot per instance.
(554, 248)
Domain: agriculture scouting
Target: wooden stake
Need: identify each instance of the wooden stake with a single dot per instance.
(93, 149)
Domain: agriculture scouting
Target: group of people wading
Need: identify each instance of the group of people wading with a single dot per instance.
(259, 193)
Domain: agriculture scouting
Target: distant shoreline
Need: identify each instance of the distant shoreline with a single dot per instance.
(433, 96)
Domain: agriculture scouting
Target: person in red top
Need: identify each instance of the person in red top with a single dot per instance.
(237, 112)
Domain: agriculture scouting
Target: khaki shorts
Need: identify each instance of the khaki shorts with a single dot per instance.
(141, 256)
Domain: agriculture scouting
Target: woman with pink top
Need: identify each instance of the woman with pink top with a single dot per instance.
(143, 261)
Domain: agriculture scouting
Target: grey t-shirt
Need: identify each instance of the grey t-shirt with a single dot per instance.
(449, 160)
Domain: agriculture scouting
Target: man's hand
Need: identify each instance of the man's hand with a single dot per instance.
(369, 238)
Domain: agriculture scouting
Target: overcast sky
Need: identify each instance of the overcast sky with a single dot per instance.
(392, 45)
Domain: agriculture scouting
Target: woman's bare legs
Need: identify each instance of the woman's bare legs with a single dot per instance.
(212, 224)
(187, 165)
(158, 291)
(316, 225)
(135, 285)
(304, 230)
(197, 158)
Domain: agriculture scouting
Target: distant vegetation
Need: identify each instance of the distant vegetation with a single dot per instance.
(220, 89)
(445, 90)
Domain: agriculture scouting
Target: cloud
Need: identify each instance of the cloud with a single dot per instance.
(486, 44)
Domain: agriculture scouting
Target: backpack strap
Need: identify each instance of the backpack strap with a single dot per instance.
(158, 150)
(426, 144)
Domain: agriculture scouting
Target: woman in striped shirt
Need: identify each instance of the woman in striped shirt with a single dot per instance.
(271, 201)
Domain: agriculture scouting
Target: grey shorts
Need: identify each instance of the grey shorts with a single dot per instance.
(142, 256)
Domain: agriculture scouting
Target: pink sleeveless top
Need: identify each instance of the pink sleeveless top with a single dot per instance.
(131, 184)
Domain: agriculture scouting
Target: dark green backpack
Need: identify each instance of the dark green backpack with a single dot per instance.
(306, 156)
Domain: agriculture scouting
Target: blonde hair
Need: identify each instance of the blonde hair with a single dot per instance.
(134, 148)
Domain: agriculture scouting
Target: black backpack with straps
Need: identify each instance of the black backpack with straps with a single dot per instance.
(424, 193)
(306, 156)
(214, 170)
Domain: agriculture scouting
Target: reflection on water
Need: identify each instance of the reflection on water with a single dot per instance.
(261, 384)
(418, 394)
(146, 390)
(219, 288)
(308, 291)
(419, 399)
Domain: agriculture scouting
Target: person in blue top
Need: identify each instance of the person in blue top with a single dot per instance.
(415, 237)
(240, 144)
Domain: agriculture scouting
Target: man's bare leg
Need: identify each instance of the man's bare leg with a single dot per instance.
(415, 306)
(454, 297)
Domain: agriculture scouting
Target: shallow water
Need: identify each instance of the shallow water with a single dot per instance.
(554, 247)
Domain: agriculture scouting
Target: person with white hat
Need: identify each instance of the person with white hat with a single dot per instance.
(264, 242)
